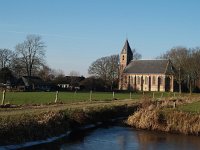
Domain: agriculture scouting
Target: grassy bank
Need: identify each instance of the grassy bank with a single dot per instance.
(19, 125)
(34, 122)
(183, 119)
(191, 107)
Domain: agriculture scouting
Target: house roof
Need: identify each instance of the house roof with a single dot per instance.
(69, 79)
(29, 80)
(148, 66)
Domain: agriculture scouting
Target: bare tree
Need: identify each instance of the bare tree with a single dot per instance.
(46, 73)
(74, 79)
(186, 62)
(6, 57)
(74, 73)
(178, 57)
(31, 53)
(113, 69)
(192, 67)
(92, 83)
(18, 67)
(136, 55)
(6, 75)
(58, 73)
(57, 76)
(106, 68)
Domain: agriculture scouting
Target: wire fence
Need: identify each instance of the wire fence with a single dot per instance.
(51, 97)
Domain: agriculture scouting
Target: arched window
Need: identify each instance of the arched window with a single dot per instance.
(138, 80)
(123, 57)
(161, 80)
(125, 79)
(131, 79)
(146, 80)
(154, 80)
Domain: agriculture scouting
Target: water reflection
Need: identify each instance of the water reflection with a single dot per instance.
(165, 141)
(122, 138)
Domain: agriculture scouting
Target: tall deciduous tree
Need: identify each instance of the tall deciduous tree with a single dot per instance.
(92, 83)
(136, 55)
(106, 68)
(186, 62)
(31, 53)
(178, 57)
(192, 67)
(45, 73)
(6, 57)
(5, 75)
(73, 77)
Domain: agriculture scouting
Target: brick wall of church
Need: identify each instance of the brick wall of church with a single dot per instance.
(147, 82)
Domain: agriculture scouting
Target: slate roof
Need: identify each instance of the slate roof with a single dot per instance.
(148, 67)
(67, 79)
(29, 80)
(126, 49)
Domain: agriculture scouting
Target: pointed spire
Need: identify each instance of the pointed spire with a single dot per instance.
(126, 49)
(127, 52)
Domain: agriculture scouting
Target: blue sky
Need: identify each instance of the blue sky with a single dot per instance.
(77, 32)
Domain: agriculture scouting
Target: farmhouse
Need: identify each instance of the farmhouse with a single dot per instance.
(32, 83)
(144, 75)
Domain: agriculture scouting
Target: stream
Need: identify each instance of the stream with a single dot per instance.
(118, 137)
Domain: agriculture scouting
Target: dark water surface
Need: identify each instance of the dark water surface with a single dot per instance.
(121, 138)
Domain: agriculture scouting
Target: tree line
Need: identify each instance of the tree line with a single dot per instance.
(186, 62)
(106, 69)
(27, 59)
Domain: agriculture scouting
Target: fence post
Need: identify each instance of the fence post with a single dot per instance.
(113, 95)
(56, 99)
(3, 97)
(174, 104)
(161, 95)
(91, 95)
(157, 103)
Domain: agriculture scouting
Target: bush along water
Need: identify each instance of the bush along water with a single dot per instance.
(152, 117)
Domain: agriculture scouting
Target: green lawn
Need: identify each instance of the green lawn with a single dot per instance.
(191, 107)
(47, 97)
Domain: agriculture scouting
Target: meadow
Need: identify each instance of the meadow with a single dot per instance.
(20, 98)
(190, 107)
(65, 97)
(81, 108)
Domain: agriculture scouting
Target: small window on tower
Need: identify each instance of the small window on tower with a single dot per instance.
(123, 57)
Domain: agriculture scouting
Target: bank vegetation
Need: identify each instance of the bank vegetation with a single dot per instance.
(39, 122)
(164, 117)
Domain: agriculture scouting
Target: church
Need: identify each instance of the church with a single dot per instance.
(144, 75)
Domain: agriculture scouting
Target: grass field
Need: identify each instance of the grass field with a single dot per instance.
(191, 107)
(48, 97)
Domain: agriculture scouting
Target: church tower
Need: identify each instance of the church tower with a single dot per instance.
(125, 57)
